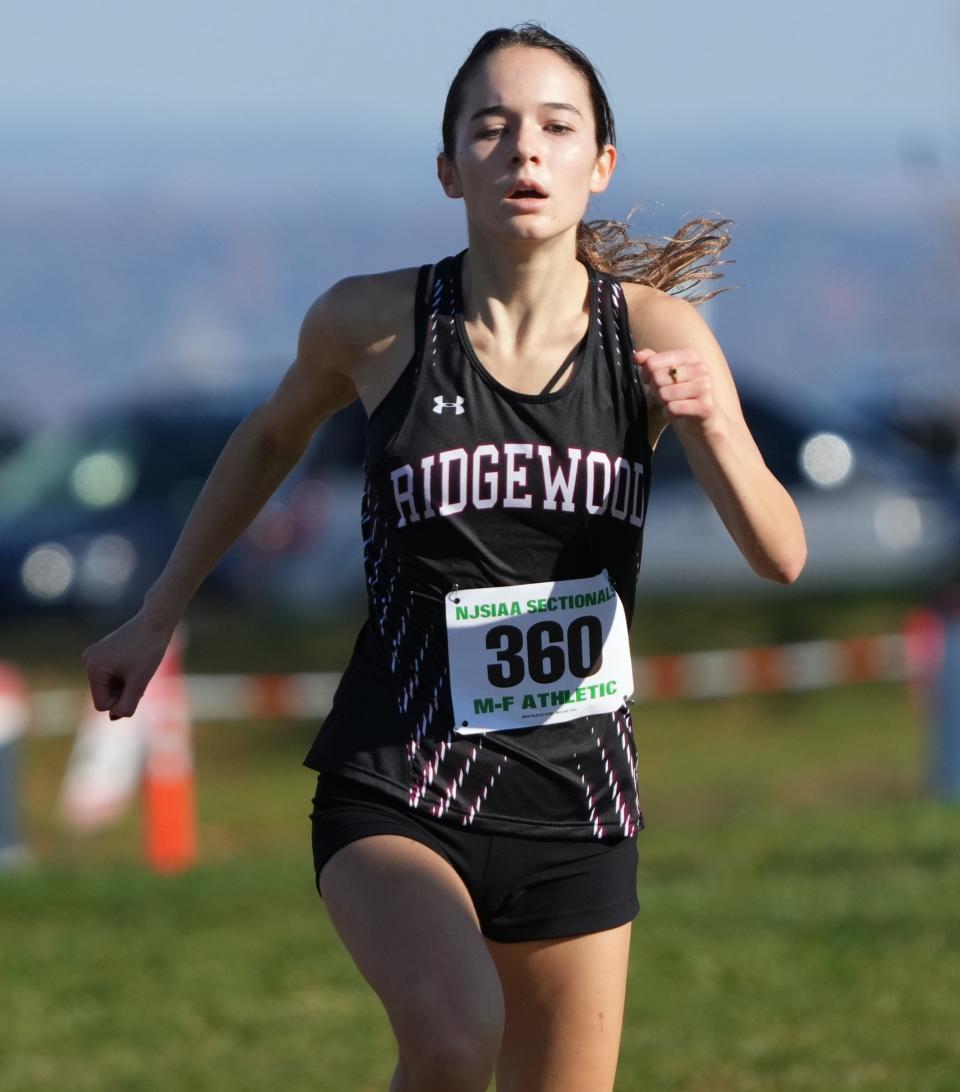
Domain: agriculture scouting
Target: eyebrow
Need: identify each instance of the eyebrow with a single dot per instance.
(499, 108)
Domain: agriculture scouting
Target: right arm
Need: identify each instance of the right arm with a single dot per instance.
(260, 453)
(339, 341)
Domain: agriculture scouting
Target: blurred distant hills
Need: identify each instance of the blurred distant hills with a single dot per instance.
(172, 272)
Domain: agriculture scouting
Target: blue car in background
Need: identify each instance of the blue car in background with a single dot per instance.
(90, 510)
(877, 512)
(11, 437)
(303, 553)
(15, 423)
(918, 399)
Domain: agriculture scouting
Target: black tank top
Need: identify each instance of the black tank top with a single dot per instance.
(472, 485)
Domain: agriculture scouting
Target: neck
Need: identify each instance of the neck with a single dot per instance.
(520, 289)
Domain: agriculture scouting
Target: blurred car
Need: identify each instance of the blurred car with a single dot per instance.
(303, 553)
(11, 438)
(90, 510)
(16, 424)
(876, 511)
(919, 400)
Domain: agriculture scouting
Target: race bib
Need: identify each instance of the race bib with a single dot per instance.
(533, 654)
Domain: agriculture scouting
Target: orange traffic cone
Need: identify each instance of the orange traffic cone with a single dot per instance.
(170, 826)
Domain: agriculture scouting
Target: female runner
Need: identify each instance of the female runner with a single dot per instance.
(476, 813)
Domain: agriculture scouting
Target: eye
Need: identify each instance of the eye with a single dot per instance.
(489, 134)
(558, 127)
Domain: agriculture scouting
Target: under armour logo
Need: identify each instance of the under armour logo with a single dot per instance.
(456, 405)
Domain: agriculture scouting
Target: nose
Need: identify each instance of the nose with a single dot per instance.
(525, 147)
(521, 156)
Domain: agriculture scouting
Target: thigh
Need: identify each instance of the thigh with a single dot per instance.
(408, 921)
(564, 1011)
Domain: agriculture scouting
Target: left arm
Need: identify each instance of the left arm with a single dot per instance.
(702, 404)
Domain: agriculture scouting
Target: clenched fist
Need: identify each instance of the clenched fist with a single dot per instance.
(680, 384)
(120, 666)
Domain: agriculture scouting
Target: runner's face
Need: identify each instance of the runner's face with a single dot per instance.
(526, 123)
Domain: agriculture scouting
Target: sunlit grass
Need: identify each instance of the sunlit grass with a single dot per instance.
(799, 926)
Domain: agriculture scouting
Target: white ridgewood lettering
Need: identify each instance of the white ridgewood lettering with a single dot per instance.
(426, 469)
(621, 478)
(554, 484)
(516, 475)
(404, 495)
(447, 506)
(490, 477)
(595, 459)
(637, 518)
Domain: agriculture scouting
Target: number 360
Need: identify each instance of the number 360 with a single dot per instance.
(548, 651)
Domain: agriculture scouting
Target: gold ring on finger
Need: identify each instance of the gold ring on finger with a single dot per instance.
(674, 374)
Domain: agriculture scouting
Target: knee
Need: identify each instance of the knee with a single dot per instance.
(455, 1062)
(452, 1043)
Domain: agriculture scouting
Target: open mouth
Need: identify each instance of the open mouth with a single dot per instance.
(527, 189)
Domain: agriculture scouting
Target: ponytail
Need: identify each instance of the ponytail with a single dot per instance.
(675, 266)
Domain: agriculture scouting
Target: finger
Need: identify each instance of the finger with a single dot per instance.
(644, 374)
(644, 359)
(127, 704)
(674, 356)
(690, 388)
(648, 375)
(671, 393)
(688, 407)
(647, 361)
(105, 689)
(649, 388)
(665, 374)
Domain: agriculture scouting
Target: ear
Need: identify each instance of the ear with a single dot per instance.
(449, 178)
(603, 169)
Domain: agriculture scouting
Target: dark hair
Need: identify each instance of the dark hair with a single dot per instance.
(674, 265)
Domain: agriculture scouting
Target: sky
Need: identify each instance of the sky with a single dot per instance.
(847, 71)
(839, 107)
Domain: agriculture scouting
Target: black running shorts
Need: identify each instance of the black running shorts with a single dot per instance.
(522, 888)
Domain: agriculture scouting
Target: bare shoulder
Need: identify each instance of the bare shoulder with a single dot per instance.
(660, 321)
(356, 319)
(353, 341)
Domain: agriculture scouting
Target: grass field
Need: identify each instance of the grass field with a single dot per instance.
(799, 930)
